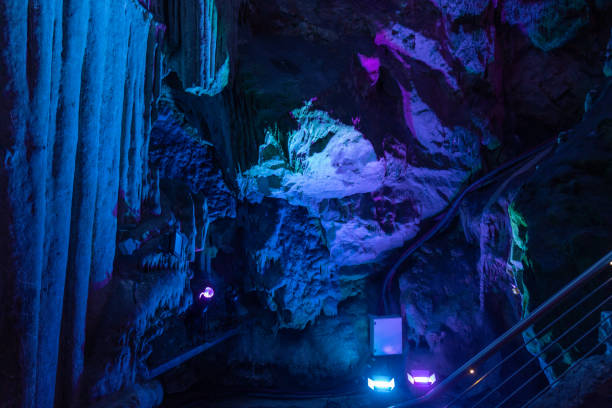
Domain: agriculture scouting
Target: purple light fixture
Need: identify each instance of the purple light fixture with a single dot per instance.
(421, 377)
(207, 293)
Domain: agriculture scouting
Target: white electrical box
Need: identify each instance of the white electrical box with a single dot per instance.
(386, 335)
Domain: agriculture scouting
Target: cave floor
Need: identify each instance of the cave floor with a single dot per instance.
(360, 400)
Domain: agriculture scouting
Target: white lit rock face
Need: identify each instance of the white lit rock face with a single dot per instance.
(333, 169)
(361, 205)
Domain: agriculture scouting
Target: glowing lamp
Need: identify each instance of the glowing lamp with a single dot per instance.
(386, 335)
(207, 293)
(421, 377)
(381, 384)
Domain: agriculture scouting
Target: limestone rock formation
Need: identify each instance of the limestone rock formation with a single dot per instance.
(68, 86)
(559, 220)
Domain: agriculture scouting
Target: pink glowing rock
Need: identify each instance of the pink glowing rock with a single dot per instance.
(372, 67)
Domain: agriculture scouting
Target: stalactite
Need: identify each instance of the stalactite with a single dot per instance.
(150, 99)
(204, 36)
(138, 128)
(208, 42)
(193, 233)
(22, 191)
(63, 67)
(193, 40)
(157, 210)
(201, 264)
(105, 222)
(83, 208)
(60, 177)
(127, 127)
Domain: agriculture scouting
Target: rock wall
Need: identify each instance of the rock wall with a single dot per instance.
(561, 224)
(77, 85)
(382, 118)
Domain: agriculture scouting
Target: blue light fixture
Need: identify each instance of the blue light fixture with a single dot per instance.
(381, 384)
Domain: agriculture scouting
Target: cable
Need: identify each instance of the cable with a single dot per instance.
(552, 343)
(550, 363)
(535, 337)
(566, 371)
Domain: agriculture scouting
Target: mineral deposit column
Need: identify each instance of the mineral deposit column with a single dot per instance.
(83, 207)
(60, 178)
(25, 72)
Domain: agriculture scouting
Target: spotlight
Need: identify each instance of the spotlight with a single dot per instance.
(381, 384)
(207, 293)
(472, 371)
(421, 377)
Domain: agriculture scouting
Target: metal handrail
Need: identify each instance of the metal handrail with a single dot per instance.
(587, 354)
(514, 331)
(534, 338)
(548, 365)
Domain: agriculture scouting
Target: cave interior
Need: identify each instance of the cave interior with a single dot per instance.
(305, 203)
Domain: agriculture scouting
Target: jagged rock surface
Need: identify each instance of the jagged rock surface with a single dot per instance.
(560, 220)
